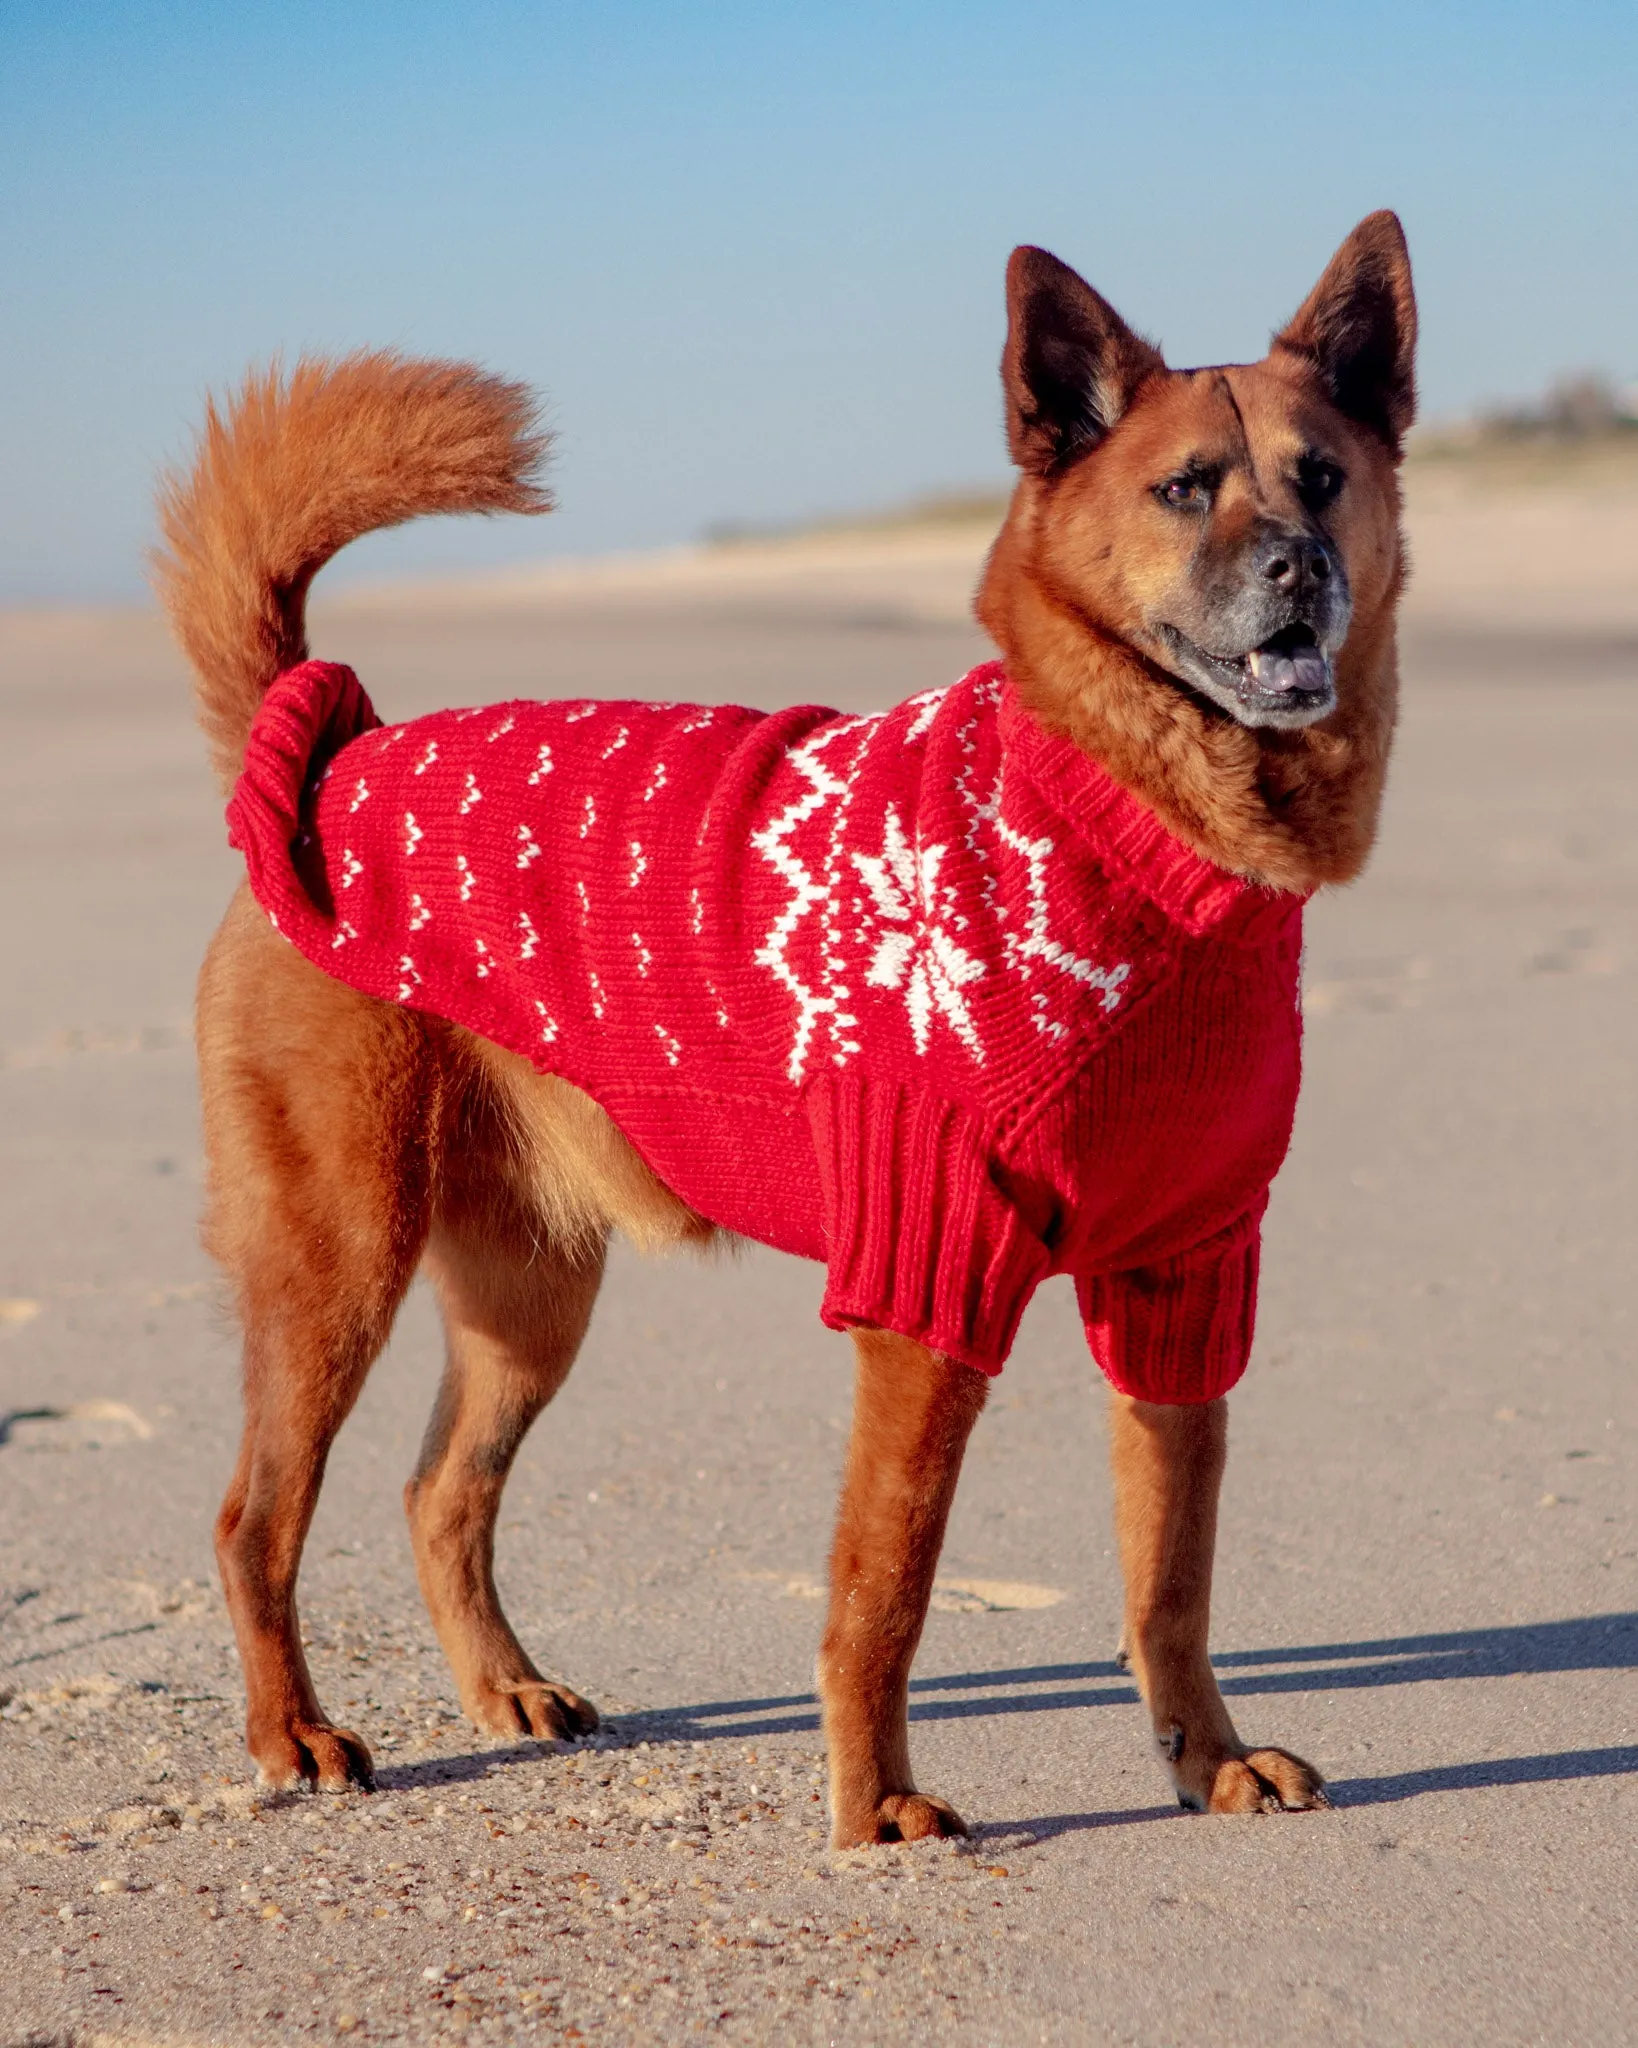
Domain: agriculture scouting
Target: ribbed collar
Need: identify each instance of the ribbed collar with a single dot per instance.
(1128, 837)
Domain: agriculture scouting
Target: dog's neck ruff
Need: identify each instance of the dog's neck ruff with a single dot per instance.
(1012, 1025)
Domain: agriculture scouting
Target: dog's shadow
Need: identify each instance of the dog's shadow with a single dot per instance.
(1599, 1642)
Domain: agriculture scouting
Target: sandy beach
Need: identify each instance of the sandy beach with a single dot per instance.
(1428, 1575)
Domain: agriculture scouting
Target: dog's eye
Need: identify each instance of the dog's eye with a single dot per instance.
(1318, 482)
(1188, 492)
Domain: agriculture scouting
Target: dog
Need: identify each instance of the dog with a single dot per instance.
(934, 933)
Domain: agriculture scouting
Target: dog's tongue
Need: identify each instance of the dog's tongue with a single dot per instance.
(1273, 669)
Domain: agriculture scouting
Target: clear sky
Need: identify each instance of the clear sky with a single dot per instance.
(753, 253)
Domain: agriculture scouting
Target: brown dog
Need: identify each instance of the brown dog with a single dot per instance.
(1196, 581)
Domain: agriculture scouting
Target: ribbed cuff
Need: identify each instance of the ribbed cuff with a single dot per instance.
(920, 1239)
(1181, 1331)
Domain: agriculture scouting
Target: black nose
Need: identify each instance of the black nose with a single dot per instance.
(1293, 562)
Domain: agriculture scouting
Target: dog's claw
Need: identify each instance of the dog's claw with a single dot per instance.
(313, 1753)
(1267, 1781)
(532, 1706)
(903, 1817)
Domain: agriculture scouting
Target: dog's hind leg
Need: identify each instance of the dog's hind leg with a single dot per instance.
(515, 1308)
(1168, 1465)
(913, 1411)
(318, 1110)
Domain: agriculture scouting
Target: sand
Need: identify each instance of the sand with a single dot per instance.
(1429, 1551)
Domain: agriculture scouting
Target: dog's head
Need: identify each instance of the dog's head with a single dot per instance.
(1232, 525)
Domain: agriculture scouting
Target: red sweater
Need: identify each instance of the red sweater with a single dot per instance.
(925, 995)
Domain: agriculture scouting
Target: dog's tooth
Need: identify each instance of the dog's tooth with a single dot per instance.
(1271, 670)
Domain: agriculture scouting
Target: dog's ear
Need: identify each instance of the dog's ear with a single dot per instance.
(1357, 327)
(1071, 364)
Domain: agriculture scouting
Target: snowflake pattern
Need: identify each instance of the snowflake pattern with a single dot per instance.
(918, 953)
(942, 921)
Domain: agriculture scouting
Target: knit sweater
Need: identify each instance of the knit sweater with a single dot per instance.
(924, 995)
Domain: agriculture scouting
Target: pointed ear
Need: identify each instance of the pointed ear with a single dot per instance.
(1071, 364)
(1357, 327)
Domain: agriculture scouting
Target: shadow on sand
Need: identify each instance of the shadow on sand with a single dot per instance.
(1599, 1642)
(1556, 1768)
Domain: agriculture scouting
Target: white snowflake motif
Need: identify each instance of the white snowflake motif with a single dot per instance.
(351, 867)
(645, 959)
(548, 1023)
(639, 864)
(921, 957)
(469, 880)
(528, 851)
(410, 978)
(420, 916)
(501, 730)
(672, 1046)
(483, 958)
(543, 767)
(413, 835)
(590, 819)
(474, 795)
(618, 741)
(359, 794)
(344, 932)
(426, 759)
(656, 784)
(531, 938)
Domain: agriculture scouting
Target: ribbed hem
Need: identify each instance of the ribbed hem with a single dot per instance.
(920, 1239)
(1179, 1332)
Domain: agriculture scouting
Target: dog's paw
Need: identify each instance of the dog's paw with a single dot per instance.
(531, 1706)
(311, 1753)
(1266, 1781)
(901, 1817)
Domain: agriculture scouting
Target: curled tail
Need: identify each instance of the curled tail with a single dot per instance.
(295, 469)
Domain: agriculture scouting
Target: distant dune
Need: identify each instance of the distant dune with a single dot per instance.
(1495, 546)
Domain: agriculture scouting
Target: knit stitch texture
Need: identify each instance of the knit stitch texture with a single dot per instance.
(924, 995)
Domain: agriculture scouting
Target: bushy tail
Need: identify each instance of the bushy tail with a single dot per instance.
(294, 470)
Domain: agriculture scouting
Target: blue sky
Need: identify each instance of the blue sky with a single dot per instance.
(753, 254)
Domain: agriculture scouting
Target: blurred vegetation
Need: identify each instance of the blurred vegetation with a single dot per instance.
(1584, 426)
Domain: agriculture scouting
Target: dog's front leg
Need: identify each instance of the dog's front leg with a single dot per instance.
(1168, 1464)
(913, 1411)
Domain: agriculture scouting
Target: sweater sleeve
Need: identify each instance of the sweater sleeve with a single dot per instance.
(1179, 1331)
(920, 1237)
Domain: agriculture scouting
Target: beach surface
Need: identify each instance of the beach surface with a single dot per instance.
(1428, 1568)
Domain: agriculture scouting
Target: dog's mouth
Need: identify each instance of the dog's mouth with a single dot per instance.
(1286, 681)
